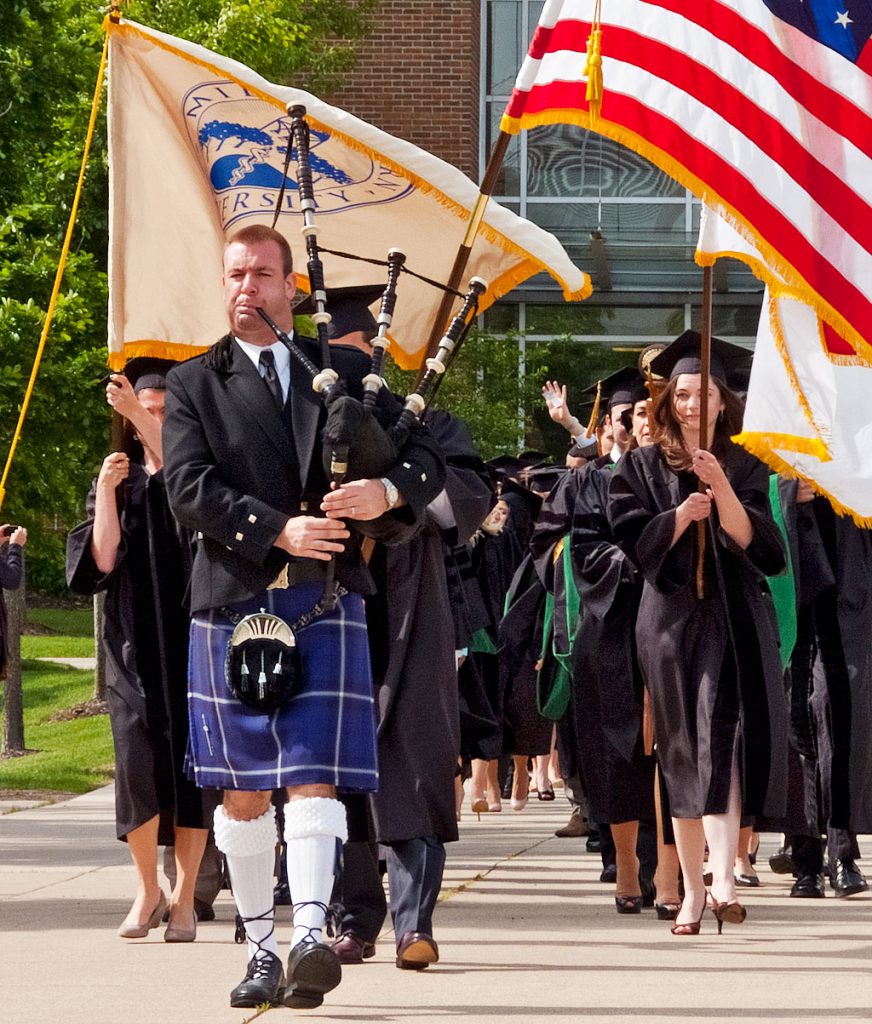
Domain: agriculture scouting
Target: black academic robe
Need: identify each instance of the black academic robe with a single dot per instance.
(412, 642)
(711, 666)
(608, 690)
(145, 637)
(831, 670)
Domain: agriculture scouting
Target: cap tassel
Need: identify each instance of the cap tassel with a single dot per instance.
(595, 411)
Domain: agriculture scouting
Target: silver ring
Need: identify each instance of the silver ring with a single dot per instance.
(353, 510)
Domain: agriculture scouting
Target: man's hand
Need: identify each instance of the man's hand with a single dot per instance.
(115, 468)
(19, 536)
(312, 537)
(360, 499)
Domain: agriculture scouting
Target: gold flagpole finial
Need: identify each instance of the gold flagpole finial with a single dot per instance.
(114, 12)
(593, 64)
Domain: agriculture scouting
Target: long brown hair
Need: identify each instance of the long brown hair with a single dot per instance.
(666, 427)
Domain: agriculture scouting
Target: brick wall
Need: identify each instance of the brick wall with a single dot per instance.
(417, 76)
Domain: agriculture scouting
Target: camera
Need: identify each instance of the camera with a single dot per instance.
(9, 530)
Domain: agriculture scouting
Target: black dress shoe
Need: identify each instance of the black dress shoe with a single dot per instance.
(262, 982)
(782, 862)
(809, 887)
(313, 969)
(628, 904)
(351, 949)
(594, 842)
(416, 950)
(282, 895)
(846, 878)
(609, 873)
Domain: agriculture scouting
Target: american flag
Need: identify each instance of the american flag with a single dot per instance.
(762, 109)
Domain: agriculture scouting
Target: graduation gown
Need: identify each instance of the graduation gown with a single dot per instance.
(712, 666)
(414, 667)
(607, 684)
(10, 579)
(832, 671)
(145, 636)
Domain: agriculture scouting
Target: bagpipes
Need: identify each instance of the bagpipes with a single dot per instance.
(356, 445)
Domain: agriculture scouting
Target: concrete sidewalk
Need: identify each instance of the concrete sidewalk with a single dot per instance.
(525, 930)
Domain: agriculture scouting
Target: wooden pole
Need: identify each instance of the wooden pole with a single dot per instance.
(705, 367)
(463, 253)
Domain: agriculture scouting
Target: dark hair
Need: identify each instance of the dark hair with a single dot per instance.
(666, 427)
(262, 233)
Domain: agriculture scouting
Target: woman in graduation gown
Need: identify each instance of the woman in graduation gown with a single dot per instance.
(711, 664)
(131, 547)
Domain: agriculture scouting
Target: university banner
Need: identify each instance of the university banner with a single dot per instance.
(197, 148)
(807, 412)
(762, 108)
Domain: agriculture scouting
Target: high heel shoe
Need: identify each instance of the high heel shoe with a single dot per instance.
(495, 807)
(628, 904)
(689, 927)
(139, 931)
(480, 806)
(176, 933)
(730, 911)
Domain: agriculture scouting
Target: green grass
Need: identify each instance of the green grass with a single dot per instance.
(73, 756)
(67, 621)
(57, 647)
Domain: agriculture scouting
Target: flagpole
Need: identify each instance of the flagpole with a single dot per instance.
(705, 356)
(461, 260)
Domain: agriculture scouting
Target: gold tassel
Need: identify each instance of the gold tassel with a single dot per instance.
(594, 70)
(595, 411)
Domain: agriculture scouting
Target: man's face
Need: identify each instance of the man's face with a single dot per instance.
(152, 400)
(253, 276)
(622, 438)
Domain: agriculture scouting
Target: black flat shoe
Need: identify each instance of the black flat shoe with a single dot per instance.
(313, 969)
(748, 881)
(628, 904)
(262, 982)
(782, 863)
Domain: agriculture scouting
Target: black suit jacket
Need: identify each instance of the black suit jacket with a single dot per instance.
(237, 469)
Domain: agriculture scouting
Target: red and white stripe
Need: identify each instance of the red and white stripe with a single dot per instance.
(760, 120)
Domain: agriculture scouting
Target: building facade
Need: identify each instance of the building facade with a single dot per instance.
(440, 74)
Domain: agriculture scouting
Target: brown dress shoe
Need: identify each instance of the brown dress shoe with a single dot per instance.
(416, 951)
(576, 827)
(351, 949)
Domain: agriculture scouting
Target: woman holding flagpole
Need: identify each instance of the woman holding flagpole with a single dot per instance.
(710, 660)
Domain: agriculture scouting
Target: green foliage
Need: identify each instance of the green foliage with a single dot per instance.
(307, 42)
(502, 406)
(72, 756)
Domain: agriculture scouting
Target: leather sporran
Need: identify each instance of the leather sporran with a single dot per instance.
(263, 668)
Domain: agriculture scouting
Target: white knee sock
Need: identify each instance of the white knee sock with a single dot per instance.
(312, 827)
(250, 849)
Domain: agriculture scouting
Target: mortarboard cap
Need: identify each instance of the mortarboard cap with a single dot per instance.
(624, 387)
(515, 494)
(514, 466)
(543, 479)
(349, 308)
(145, 372)
(728, 361)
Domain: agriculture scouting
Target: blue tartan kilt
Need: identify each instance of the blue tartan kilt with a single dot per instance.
(324, 734)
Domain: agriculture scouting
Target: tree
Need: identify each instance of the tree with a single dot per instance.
(49, 55)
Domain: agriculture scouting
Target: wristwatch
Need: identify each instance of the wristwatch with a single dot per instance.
(392, 495)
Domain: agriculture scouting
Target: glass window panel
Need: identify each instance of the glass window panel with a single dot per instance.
(508, 181)
(729, 321)
(565, 160)
(624, 223)
(503, 46)
(501, 318)
(606, 321)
